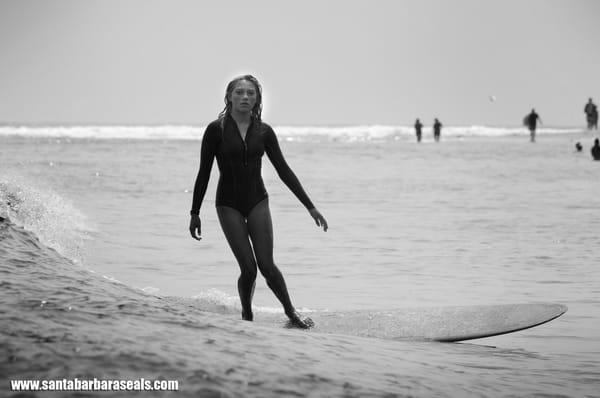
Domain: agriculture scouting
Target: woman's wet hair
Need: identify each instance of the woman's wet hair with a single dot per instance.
(256, 110)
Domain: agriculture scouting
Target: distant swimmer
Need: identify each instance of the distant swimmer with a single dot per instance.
(418, 127)
(238, 139)
(591, 115)
(531, 122)
(578, 147)
(596, 150)
(437, 130)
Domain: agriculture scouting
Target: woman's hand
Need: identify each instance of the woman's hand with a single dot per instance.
(195, 226)
(319, 219)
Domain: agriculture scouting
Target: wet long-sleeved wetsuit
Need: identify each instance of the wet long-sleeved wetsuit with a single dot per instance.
(240, 183)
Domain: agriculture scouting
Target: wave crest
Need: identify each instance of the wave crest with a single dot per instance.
(291, 133)
(52, 218)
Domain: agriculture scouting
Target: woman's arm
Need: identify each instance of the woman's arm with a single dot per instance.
(207, 156)
(283, 170)
(288, 177)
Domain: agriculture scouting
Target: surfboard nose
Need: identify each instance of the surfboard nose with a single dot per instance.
(560, 308)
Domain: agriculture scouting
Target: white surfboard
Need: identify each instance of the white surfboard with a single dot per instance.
(434, 323)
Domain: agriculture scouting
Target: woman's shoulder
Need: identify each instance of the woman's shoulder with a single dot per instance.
(265, 128)
(212, 133)
(214, 127)
(268, 134)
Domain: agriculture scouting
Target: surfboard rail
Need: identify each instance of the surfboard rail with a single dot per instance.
(443, 324)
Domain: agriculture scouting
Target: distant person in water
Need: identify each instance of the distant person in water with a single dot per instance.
(238, 139)
(578, 147)
(437, 130)
(596, 150)
(531, 121)
(591, 115)
(418, 127)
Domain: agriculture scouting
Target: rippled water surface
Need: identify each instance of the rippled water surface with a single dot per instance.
(101, 279)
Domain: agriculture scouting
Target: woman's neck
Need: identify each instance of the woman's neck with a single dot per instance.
(241, 117)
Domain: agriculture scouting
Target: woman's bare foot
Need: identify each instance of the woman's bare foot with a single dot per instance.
(247, 316)
(299, 321)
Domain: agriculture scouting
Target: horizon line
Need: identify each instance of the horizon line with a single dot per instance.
(101, 124)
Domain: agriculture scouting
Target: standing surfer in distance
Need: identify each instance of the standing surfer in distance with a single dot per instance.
(591, 115)
(437, 130)
(596, 150)
(531, 122)
(418, 128)
(239, 139)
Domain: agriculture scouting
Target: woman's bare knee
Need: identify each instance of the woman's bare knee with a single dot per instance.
(269, 271)
(248, 275)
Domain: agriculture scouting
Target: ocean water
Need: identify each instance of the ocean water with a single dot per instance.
(100, 278)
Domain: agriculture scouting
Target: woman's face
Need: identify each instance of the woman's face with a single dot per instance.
(243, 97)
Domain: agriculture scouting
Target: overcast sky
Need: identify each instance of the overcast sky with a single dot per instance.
(321, 62)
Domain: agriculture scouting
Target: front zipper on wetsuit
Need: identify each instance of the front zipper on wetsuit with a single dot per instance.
(245, 148)
(244, 143)
(245, 152)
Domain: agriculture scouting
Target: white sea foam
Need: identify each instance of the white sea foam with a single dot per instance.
(54, 220)
(291, 133)
(214, 300)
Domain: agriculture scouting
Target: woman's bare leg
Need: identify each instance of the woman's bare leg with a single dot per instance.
(236, 231)
(260, 227)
